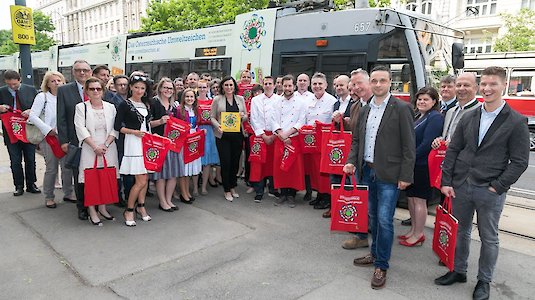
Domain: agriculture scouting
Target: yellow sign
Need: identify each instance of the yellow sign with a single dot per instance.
(22, 24)
(230, 122)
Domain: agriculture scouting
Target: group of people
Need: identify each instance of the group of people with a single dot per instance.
(391, 142)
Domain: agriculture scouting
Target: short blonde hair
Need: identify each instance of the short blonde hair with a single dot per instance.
(48, 74)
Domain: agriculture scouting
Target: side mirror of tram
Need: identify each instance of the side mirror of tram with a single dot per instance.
(457, 56)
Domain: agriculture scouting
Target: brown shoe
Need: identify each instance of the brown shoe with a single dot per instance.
(354, 243)
(364, 261)
(378, 279)
(327, 214)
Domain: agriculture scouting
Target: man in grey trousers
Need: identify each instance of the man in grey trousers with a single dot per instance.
(487, 154)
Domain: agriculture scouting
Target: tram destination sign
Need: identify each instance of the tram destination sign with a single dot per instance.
(210, 51)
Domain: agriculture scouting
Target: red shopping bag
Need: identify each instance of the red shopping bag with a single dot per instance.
(310, 139)
(155, 149)
(321, 130)
(194, 146)
(204, 107)
(445, 235)
(258, 149)
(435, 159)
(100, 186)
(176, 130)
(335, 147)
(53, 142)
(295, 176)
(244, 90)
(349, 207)
(289, 155)
(15, 125)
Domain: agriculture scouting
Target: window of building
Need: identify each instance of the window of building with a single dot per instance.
(411, 5)
(480, 7)
(426, 7)
(476, 45)
(528, 4)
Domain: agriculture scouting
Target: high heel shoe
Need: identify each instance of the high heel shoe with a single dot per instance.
(144, 218)
(183, 200)
(128, 222)
(99, 223)
(403, 237)
(110, 218)
(420, 241)
(170, 209)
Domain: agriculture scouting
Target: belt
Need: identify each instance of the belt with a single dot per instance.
(370, 165)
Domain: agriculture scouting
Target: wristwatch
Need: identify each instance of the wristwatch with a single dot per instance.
(107, 145)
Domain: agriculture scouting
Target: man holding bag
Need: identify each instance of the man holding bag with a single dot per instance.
(383, 149)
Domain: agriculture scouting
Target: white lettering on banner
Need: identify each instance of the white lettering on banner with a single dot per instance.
(351, 198)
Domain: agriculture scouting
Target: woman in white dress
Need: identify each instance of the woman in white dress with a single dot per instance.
(43, 116)
(133, 120)
(93, 121)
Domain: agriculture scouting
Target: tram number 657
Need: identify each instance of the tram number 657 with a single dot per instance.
(362, 27)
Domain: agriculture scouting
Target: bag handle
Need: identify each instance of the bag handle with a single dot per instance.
(104, 160)
(447, 205)
(333, 126)
(353, 181)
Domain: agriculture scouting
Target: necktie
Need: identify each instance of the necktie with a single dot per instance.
(443, 106)
(17, 100)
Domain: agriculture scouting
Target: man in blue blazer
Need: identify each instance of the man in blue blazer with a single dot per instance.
(19, 96)
(487, 154)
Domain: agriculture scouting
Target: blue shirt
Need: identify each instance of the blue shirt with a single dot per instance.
(14, 94)
(486, 121)
(372, 126)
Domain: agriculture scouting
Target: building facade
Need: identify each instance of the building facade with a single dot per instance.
(80, 22)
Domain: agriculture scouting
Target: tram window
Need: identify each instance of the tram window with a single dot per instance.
(162, 69)
(393, 46)
(522, 83)
(38, 75)
(296, 65)
(398, 85)
(178, 69)
(333, 65)
(67, 73)
(144, 67)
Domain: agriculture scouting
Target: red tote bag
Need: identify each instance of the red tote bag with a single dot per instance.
(289, 155)
(445, 235)
(53, 142)
(204, 107)
(435, 159)
(321, 130)
(176, 130)
(194, 146)
(335, 147)
(100, 185)
(349, 207)
(15, 125)
(155, 149)
(310, 140)
(258, 151)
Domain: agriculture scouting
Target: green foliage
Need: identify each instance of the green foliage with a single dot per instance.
(192, 14)
(520, 34)
(43, 25)
(345, 4)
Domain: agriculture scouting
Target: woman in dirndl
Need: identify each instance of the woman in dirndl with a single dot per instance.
(133, 120)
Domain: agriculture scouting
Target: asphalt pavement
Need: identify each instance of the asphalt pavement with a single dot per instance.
(214, 249)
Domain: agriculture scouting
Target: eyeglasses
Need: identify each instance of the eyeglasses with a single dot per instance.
(139, 78)
(122, 84)
(82, 70)
(97, 89)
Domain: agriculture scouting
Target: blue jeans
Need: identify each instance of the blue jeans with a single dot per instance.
(382, 199)
(259, 186)
(336, 179)
(17, 152)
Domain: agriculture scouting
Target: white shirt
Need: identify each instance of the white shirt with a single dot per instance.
(306, 95)
(80, 90)
(261, 110)
(49, 121)
(486, 120)
(287, 113)
(372, 126)
(320, 109)
(343, 104)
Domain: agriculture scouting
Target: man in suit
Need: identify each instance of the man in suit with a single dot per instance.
(102, 72)
(447, 93)
(383, 152)
(19, 96)
(68, 96)
(487, 154)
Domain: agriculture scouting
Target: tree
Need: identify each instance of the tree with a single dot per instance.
(43, 25)
(193, 14)
(520, 35)
(345, 4)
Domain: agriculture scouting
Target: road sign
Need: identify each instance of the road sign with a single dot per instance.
(22, 24)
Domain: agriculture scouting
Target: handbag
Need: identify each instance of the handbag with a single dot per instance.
(176, 130)
(34, 134)
(194, 146)
(335, 147)
(204, 108)
(258, 151)
(310, 139)
(349, 207)
(155, 150)
(53, 142)
(8, 125)
(72, 158)
(434, 160)
(445, 233)
(100, 184)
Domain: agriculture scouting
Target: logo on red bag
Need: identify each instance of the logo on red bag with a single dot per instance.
(17, 127)
(192, 148)
(173, 134)
(285, 154)
(348, 213)
(255, 149)
(310, 139)
(443, 238)
(152, 154)
(336, 156)
(205, 115)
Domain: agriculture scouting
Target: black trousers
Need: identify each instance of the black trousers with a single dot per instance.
(229, 147)
(17, 151)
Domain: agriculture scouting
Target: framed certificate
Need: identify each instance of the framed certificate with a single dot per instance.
(230, 121)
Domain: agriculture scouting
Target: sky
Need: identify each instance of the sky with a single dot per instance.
(5, 18)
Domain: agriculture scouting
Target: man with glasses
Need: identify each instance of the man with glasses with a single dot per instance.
(68, 96)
